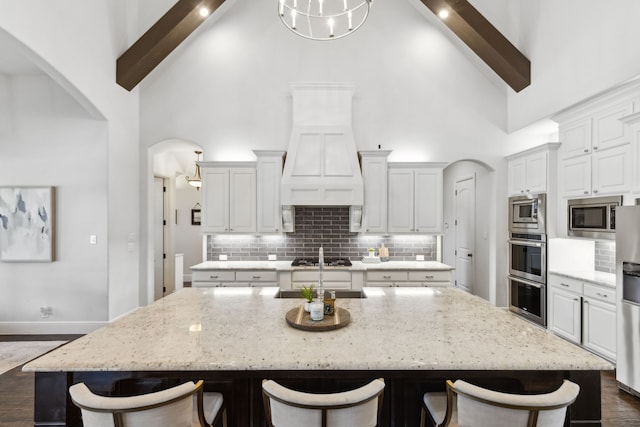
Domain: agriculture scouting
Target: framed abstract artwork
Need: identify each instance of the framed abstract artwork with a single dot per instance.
(27, 223)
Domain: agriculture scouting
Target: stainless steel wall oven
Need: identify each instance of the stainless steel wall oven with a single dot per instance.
(528, 257)
(528, 299)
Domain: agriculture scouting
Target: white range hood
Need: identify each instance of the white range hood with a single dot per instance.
(321, 167)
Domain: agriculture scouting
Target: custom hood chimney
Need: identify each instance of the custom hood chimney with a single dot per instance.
(321, 167)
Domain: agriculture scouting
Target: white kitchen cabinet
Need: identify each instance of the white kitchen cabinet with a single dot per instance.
(331, 279)
(408, 278)
(599, 327)
(565, 316)
(576, 138)
(234, 278)
(374, 176)
(584, 313)
(228, 197)
(602, 173)
(528, 174)
(268, 176)
(415, 198)
(599, 129)
(575, 177)
(611, 171)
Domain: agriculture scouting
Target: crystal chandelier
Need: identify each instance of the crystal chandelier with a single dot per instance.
(323, 19)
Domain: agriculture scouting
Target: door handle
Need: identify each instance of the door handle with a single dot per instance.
(469, 254)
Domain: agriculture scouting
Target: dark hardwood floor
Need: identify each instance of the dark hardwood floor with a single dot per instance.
(619, 409)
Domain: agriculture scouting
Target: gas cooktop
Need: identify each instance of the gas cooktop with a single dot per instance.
(313, 262)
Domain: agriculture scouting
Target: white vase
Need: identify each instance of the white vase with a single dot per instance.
(307, 306)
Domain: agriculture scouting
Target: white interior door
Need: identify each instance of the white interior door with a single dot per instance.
(465, 206)
(158, 241)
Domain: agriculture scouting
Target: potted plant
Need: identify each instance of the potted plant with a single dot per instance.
(308, 295)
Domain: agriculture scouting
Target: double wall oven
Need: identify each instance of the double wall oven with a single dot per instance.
(528, 257)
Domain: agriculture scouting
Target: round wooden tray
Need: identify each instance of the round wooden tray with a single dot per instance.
(300, 319)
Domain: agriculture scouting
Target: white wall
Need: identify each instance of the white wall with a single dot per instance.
(54, 142)
(227, 87)
(577, 49)
(77, 45)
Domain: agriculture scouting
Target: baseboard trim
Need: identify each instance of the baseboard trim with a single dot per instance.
(48, 328)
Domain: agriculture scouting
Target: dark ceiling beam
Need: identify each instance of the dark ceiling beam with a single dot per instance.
(160, 40)
(485, 40)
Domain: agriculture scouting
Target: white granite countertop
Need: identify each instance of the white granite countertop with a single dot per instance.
(244, 329)
(597, 277)
(286, 266)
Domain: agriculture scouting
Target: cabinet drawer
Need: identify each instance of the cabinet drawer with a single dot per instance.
(327, 276)
(429, 276)
(600, 293)
(326, 285)
(566, 283)
(437, 284)
(384, 276)
(212, 276)
(257, 276)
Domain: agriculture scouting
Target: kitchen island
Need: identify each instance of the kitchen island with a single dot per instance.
(233, 337)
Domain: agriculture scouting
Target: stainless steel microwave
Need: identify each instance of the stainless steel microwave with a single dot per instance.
(527, 213)
(594, 217)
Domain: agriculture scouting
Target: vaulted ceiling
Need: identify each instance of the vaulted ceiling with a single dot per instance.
(185, 16)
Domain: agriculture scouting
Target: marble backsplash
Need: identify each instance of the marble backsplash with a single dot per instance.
(316, 226)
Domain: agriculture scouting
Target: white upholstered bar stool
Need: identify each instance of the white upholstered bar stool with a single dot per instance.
(355, 408)
(185, 405)
(479, 407)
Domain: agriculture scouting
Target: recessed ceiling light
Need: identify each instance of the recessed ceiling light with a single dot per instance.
(443, 14)
(204, 12)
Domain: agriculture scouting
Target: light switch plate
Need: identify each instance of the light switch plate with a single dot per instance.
(93, 239)
(222, 257)
(419, 257)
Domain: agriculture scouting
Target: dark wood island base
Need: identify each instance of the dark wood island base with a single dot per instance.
(243, 394)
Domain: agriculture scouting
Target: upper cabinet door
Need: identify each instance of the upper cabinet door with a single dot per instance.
(608, 130)
(215, 200)
(269, 210)
(242, 200)
(576, 138)
(536, 173)
(400, 196)
(428, 200)
(612, 171)
(374, 175)
(517, 176)
(575, 177)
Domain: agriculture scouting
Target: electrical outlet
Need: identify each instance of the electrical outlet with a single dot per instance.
(419, 257)
(93, 239)
(272, 257)
(46, 311)
(222, 257)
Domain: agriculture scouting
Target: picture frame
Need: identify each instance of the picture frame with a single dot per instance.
(195, 217)
(27, 224)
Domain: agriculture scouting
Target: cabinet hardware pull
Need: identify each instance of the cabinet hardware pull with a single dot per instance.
(213, 277)
(428, 277)
(595, 191)
(564, 284)
(386, 277)
(586, 150)
(576, 299)
(602, 295)
(256, 277)
(595, 148)
(586, 192)
(528, 190)
(585, 301)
